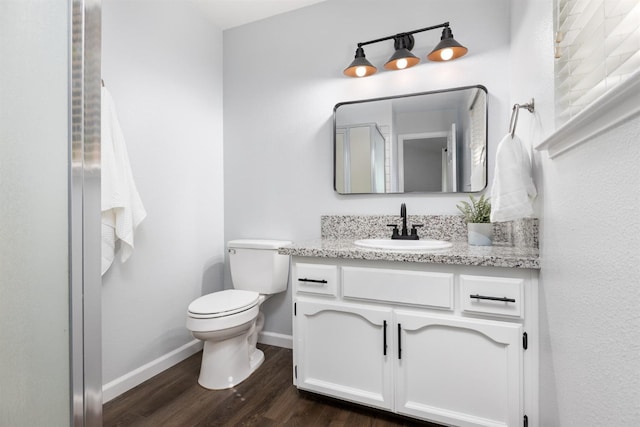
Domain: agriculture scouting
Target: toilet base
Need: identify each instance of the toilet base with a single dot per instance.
(226, 363)
(256, 359)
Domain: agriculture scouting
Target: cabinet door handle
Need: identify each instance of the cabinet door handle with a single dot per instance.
(312, 280)
(505, 299)
(384, 338)
(399, 341)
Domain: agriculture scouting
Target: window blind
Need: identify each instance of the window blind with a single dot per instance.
(600, 49)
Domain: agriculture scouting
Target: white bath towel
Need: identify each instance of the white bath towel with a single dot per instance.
(122, 209)
(513, 190)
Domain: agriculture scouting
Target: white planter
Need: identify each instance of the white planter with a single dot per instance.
(480, 234)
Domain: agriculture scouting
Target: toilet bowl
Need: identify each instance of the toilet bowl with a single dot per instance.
(229, 321)
(224, 320)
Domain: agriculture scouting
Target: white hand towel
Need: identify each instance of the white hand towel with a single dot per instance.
(122, 209)
(513, 189)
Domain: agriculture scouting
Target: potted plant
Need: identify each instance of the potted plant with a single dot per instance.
(476, 214)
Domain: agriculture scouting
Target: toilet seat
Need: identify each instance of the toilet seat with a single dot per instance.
(223, 303)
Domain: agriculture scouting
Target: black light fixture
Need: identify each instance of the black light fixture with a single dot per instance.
(360, 67)
(446, 50)
(402, 58)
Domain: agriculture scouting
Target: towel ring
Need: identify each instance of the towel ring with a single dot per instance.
(513, 123)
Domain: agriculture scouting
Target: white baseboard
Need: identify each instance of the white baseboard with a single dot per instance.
(128, 381)
(136, 377)
(278, 340)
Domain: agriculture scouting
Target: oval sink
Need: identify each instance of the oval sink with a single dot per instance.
(392, 244)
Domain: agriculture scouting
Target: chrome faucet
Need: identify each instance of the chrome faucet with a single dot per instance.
(404, 233)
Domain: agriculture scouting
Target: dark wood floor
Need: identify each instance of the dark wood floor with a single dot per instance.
(267, 398)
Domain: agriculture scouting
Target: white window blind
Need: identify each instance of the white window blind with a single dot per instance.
(600, 49)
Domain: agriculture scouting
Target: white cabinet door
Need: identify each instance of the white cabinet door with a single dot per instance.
(341, 353)
(458, 371)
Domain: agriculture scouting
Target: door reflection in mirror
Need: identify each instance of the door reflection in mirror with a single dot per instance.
(424, 142)
(360, 167)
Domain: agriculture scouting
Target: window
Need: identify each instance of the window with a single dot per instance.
(599, 49)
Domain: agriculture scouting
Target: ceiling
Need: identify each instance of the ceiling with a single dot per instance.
(232, 13)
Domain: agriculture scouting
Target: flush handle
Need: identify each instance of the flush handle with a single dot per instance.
(504, 299)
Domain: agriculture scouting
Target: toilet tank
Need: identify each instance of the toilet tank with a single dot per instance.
(256, 265)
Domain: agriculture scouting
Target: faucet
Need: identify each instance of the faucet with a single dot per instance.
(403, 214)
(404, 233)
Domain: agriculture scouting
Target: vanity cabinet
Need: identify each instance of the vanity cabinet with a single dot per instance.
(340, 351)
(447, 344)
(454, 371)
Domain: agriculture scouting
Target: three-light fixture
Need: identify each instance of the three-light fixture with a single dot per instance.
(446, 50)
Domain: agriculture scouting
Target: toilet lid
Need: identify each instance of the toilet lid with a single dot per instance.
(223, 303)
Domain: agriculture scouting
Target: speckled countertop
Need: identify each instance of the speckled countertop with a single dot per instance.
(515, 243)
(459, 254)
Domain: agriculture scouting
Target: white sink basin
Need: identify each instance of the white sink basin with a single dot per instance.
(391, 244)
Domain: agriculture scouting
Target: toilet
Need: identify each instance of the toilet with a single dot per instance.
(229, 321)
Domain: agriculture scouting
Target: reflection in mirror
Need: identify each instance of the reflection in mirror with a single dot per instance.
(424, 142)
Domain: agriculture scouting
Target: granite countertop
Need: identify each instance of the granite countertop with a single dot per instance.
(461, 253)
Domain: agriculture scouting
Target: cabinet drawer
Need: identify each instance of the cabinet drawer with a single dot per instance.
(316, 279)
(492, 295)
(398, 286)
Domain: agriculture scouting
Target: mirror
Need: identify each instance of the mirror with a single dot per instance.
(432, 142)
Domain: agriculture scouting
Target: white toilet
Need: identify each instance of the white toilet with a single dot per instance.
(229, 321)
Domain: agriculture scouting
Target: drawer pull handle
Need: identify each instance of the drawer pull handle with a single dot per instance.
(312, 281)
(505, 299)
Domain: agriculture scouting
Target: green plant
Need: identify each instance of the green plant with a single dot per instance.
(478, 211)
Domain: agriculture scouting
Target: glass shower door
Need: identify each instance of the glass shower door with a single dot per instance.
(34, 242)
(47, 217)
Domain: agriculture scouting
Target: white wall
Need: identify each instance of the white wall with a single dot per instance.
(590, 277)
(282, 78)
(34, 275)
(162, 65)
(590, 248)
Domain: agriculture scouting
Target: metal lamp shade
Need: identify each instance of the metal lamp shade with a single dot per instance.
(448, 48)
(395, 62)
(360, 67)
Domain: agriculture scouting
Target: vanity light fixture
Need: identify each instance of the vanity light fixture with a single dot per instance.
(446, 50)
(402, 58)
(360, 67)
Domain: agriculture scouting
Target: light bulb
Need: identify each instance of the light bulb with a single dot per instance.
(401, 63)
(361, 71)
(446, 54)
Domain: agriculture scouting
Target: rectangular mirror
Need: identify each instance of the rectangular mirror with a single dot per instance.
(429, 142)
